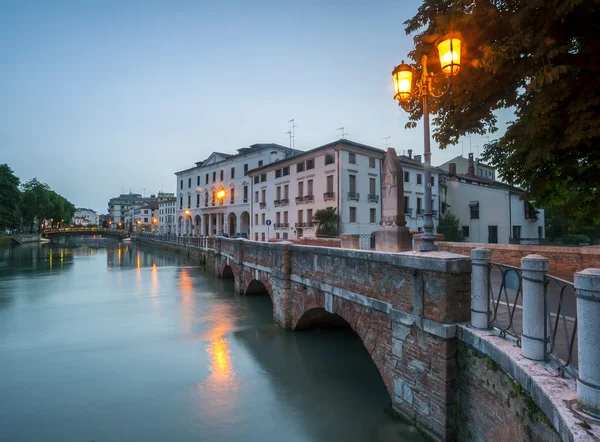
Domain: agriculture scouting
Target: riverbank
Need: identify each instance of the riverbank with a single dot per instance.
(5, 241)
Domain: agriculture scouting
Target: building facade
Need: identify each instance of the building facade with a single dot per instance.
(200, 212)
(480, 169)
(491, 211)
(166, 216)
(85, 217)
(119, 207)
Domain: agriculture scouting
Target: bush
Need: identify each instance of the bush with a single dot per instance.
(574, 239)
(449, 226)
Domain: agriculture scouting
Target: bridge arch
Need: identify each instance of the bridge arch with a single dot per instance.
(258, 287)
(227, 272)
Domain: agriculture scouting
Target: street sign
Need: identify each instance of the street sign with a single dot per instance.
(268, 222)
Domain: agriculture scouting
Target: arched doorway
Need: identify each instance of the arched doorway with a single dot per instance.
(180, 226)
(197, 225)
(227, 273)
(245, 224)
(232, 221)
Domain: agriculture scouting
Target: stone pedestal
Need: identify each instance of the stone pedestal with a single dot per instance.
(393, 239)
(350, 241)
(417, 239)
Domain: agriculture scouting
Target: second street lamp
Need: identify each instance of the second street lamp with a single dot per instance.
(221, 197)
(449, 50)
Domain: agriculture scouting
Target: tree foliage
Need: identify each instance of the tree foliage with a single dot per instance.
(327, 220)
(540, 58)
(10, 197)
(449, 226)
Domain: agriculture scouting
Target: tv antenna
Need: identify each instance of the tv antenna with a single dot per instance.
(289, 132)
(386, 141)
(293, 134)
(343, 133)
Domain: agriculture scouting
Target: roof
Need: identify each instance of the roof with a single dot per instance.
(380, 153)
(487, 182)
(407, 160)
(241, 152)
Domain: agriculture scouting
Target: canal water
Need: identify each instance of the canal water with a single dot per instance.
(105, 341)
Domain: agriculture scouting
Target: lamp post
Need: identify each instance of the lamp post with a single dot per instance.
(187, 215)
(221, 197)
(449, 52)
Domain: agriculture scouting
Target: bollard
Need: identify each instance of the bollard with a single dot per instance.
(587, 289)
(480, 277)
(533, 339)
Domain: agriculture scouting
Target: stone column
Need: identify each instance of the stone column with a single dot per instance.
(587, 288)
(480, 278)
(210, 224)
(533, 340)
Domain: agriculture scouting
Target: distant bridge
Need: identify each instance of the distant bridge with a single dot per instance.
(88, 231)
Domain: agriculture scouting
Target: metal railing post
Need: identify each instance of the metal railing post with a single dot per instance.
(533, 337)
(480, 280)
(587, 289)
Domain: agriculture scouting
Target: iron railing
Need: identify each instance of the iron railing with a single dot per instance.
(353, 196)
(505, 291)
(373, 198)
(559, 297)
(329, 195)
(309, 198)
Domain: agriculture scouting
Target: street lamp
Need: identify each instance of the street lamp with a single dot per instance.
(221, 197)
(449, 50)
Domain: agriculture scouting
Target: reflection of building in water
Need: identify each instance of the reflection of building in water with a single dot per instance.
(36, 257)
(133, 256)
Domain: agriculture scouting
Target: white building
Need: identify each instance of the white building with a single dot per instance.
(198, 210)
(145, 218)
(462, 167)
(166, 216)
(119, 207)
(343, 175)
(85, 217)
(491, 211)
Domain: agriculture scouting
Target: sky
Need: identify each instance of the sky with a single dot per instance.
(104, 97)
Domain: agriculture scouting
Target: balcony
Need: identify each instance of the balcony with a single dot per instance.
(408, 211)
(262, 205)
(435, 213)
(282, 225)
(420, 212)
(353, 196)
(299, 199)
(373, 198)
(299, 224)
(284, 201)
(245, 200)
(329, 196)
(276, 203)
(309, 198)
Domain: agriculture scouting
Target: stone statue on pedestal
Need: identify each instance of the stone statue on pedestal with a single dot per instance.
(393, 235)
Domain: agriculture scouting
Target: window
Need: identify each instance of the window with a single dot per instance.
(181, 184)
(260, 163)
(278, 193)
(245, 169)
(277, 235)
(517, 233)
(198, 180)
(189, 200)
(221, 174)
(263, 178)
(256, 196)
(145, 220)
(372, 162)
(300, 167)
(262, 218)
(206, 179)
(264, 195)
(256, 220)
(479, 172)
(245, 194)
(286, 170)
(372, 186)
(352, 214)
(419, 206)
(285, 235)
(329, 159)
(277, 217)
(300, 216)
(465, 231)
(232, 172)
(285, 217)
(197, 200)
(278, 173)
(329, 183)
(300, 188)
(286, 192)
(214, 176)
(419, 178)
(232, 193)
(309, 216)
(474, 209)
(309, 185)
(206, 199)
(352, 158)
(310, 164)
(406, 205)
(407, 177)
(352, 183)
(214, 195)
(372, 216)
(432, 181)
(256, 179)
(145, 212)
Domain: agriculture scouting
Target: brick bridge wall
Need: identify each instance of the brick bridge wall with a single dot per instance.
(405, 307)
(564, 261)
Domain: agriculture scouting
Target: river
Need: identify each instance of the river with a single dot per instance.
(104, 341)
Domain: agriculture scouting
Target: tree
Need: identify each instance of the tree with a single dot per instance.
(327, 220)
(540, 58)
(449, 226)
(10, 195)
(35, 202)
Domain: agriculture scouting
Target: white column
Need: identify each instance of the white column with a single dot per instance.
(533, 341)
(587, 288)
(210, 224)
(480, 277)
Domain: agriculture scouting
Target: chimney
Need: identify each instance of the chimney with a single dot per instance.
(417, 158)
(452, 169)
(409, 153)
(471, 166)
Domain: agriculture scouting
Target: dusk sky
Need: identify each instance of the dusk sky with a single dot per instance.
(98, 98)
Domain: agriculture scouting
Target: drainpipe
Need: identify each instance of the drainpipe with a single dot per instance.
(339, 196)
(509, 216)
(251, 199)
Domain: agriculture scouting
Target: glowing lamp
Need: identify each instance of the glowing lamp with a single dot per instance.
(449, 51)
(221, 194)
(187, 211)
(402, 81)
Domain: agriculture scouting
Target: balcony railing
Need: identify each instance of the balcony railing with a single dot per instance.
(373, 198)
(353, 196)
(420, 212)
(408, 210)
(282, 225)
(329, 195)
(276, 202)
(283, 201)
(309, 198)
(262, 205)
(299, 199)
(434, 213)
(299, 224)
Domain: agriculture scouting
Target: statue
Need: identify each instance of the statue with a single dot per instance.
(393, 235)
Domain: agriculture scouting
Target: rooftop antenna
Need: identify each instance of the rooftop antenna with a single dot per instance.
(293, 134)
(470, 145)
(343, 133)
(386, 141)
(289, 132)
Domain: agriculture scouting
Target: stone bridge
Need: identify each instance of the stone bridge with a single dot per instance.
(410, 311)
(87, 231)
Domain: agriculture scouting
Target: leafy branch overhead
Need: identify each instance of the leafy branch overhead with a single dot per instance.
(540, 59)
